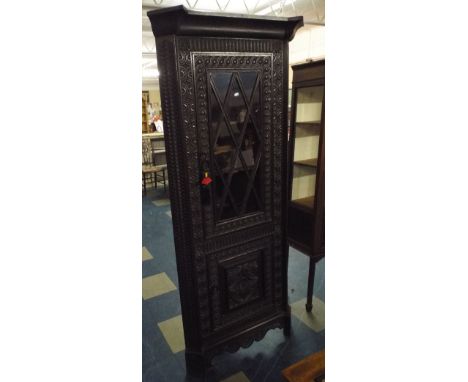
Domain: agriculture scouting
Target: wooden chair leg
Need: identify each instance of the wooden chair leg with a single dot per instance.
(310, 285)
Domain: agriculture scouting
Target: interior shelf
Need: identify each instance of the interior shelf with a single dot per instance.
(310, 124)
(306, 204)
(307, 162)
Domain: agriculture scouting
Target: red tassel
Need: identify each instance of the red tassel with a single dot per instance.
(206, 180)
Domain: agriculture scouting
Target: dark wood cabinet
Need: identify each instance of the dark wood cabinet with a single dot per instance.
(306, 220)
(223, 81)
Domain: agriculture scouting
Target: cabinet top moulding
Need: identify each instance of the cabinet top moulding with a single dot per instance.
(305, 71)
(180, 21)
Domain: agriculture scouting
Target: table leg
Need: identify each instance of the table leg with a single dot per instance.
(310, 285)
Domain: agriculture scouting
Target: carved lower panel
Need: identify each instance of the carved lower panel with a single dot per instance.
(243, 282)
(240, 281)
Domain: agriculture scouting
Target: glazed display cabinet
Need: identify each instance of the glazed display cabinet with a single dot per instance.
(224, 81)
(306, 221)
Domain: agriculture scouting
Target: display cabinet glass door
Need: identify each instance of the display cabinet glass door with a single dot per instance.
(309, 109)
(236, 142)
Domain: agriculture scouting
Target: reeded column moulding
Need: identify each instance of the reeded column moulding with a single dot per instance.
(224, 81)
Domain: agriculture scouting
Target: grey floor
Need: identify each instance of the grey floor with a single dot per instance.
(163, 344)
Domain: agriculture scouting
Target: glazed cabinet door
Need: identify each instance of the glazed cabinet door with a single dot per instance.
(232, 107)
(234, 140)
(234, 151)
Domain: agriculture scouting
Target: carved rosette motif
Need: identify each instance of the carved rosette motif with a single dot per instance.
(243, 284)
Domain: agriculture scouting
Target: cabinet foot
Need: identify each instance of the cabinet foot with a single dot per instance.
(287, 327)
(196, 364)
(308, 307)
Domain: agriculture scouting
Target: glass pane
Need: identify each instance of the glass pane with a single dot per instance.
(236, 142)
(237, 109)
(248, 82)
(309, 104)
(306, 146)
(221, 80)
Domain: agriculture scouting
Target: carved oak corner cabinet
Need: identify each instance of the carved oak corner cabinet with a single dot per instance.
(224, 81)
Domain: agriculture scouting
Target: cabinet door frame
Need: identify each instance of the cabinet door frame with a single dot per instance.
(204, 63)
(191, 135)
(316, 245)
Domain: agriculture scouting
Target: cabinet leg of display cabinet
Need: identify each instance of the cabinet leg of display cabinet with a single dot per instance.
(196, 364)
(144, 185)
(310, 285)
(287, 326)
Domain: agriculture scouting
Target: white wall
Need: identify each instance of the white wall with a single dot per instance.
(308, 43)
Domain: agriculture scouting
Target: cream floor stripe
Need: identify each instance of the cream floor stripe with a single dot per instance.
(157, 285)
(238, 377)
(146, 254)
(173, 332)
(315, 319)
(161, 202)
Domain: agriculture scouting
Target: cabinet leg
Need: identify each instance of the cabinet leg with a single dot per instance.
(287, 326)
(196, 364)
(310, 285)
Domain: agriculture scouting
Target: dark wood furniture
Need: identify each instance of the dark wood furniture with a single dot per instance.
(306, 222)
(224, 81)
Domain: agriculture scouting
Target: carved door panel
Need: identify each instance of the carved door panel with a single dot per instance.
(241, 283)
(234, 123)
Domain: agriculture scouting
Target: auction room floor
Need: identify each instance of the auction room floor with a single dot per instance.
(163, 340)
